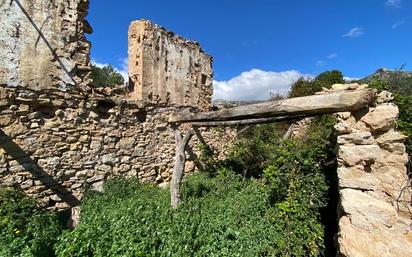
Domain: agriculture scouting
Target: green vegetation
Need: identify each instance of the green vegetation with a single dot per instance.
(397, 81)
(301, 176)
(400, 84)
(274, 212)
(105, 76)
(223, 216)
(404, 103)
(304, 87)
(25, 230)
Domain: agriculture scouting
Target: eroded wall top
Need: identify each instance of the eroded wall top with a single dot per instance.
(42, 44)
(167, 70)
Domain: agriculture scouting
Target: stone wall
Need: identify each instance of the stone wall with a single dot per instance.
(166, 69)
(375, 212)
(55, 155)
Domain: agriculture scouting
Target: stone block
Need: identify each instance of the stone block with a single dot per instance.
(367, 212)
(357, 138)
(357, 179)
(352, 155)
(382, 118)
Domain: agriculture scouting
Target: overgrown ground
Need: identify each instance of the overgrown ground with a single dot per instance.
(265, 200)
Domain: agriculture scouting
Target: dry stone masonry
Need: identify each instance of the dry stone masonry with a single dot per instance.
(43, 47)
(374, 210)
(375, 214)
(57, 138)
(166, 69)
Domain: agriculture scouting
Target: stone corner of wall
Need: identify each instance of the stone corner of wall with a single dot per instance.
(375, 195)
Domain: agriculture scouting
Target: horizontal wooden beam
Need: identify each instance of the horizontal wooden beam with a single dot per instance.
(241, 122)
(298, 106)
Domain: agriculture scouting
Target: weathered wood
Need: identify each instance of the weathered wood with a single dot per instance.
(298, 106)
(241, 122)
(289, 132)
(179, 168)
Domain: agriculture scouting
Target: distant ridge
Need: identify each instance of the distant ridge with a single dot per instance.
(398, 81)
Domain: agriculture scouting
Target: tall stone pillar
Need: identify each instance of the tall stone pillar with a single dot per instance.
(166, 69)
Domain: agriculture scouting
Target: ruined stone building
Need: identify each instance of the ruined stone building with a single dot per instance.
(166, 69)
(58, 136)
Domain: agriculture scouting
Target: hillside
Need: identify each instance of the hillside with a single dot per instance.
(398, 81)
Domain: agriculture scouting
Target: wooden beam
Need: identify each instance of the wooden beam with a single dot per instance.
(241, 122)
(298, 106)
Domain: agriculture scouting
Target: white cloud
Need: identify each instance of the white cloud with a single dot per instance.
(394, 3)
(256, 85)
(354, 32)
(98, 64)
(350, 79)
(123, 70)
(397, 24)
(321, 63)
(332, 56)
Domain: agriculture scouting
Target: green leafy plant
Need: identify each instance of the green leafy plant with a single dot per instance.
(301, 177)
(223, 215)
(253, 150)
(206, 159)
(305, 86)
(25, 230)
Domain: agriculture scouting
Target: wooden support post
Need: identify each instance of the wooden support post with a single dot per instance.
(179, 168)
(289, 132)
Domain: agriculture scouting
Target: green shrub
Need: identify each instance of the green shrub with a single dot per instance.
(220, 216)
(398, 81)
(301, 176)
(25, 230)
(305, 87)
(403, 99)
(404, 103)
(251, 153)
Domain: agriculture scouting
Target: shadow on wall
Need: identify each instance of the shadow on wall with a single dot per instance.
(53, 52)
(192, 155)
(37, 172)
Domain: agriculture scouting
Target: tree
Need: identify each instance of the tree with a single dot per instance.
(106, 76)
(328, 78)
(305, 87)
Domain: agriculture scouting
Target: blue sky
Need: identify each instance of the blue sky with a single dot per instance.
(261, 46)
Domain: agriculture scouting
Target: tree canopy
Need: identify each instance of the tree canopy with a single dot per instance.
(106, 76)
(305, 87)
